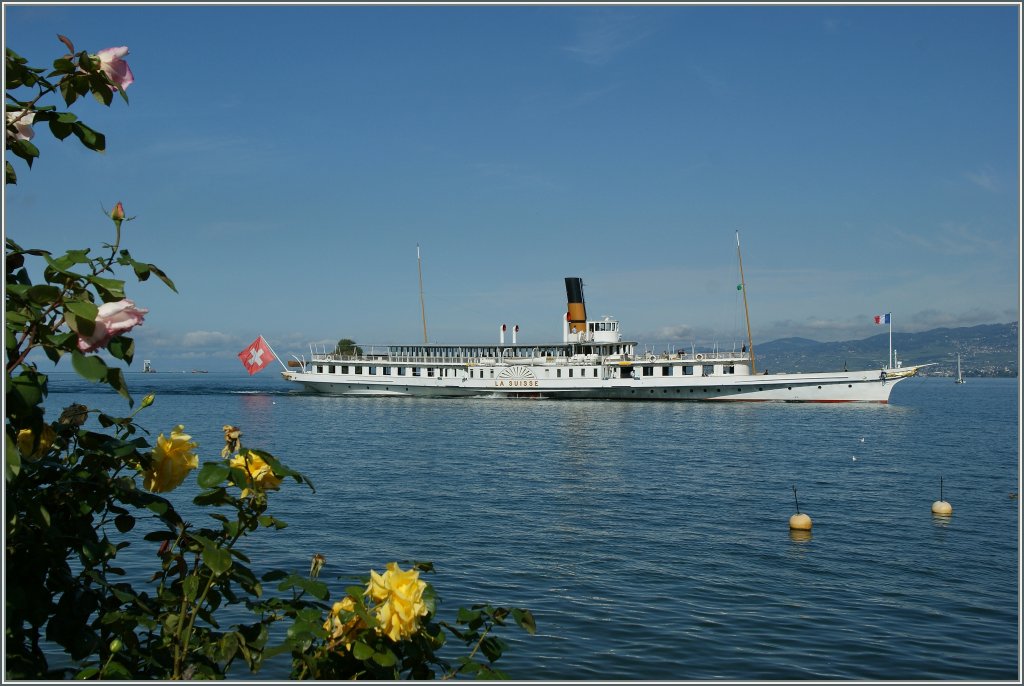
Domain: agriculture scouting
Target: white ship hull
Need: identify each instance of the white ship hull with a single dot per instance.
(820, 388)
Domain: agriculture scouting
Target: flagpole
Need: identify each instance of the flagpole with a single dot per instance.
(890, 340)
(267, 343)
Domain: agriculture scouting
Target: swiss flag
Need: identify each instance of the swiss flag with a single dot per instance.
(256, 356)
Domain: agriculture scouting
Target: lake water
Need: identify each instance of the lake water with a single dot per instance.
(651, 540)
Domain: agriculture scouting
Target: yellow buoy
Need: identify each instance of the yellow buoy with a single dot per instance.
(800, 522)
(940, 506)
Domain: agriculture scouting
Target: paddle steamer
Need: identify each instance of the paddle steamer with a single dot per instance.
(592, 361)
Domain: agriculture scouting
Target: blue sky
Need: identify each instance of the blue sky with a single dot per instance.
(283, 162)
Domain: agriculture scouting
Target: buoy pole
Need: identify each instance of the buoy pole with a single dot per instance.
(799, 521)
(940, 506)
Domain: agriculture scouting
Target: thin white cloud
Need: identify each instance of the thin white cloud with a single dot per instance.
(206, 339)
(985, 179)
(602, 37)
(954, 239)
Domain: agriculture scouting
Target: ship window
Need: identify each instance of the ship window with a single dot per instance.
(558, 373)
(595, 372)
(330, 369)
(416, 371)
(344, 369)
(320, 369)
(666, 370)
(688, 370)
(359, 370)
(430, 371)
(708, 370)
(386, 371)
(570, 373)
(729, 369)
(401, 371)
(648, 370)
(373, 371)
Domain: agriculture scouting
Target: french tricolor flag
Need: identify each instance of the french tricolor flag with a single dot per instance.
(882, 318)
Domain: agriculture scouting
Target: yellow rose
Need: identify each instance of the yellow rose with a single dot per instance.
(399, 598)
(258, 472)
(172, 460)
(27, 441)
(343, 631)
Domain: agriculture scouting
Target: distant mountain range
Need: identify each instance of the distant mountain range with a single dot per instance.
(986, 350)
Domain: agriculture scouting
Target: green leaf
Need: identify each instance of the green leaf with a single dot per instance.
(160, 536)
(64, 65)
(217, 559)
(92, 367)
(59, 129)
(122, 347)
(386, 658)
(190, 586)
(362, 651)
(162, 276)
(316, 589)
(12, 459)
(111, 289)
(275, 574)
(115, 379)
(92, 139)
(83, 309)
(212, 474)
(102, 94)
(524, 618)
(124, 523)
(25, 150)
(43, 294)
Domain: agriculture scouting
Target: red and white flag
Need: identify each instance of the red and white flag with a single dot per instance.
(256, 356)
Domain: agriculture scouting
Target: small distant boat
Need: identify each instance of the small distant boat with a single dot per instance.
(147, 367)
(959, 373)
(199, 371)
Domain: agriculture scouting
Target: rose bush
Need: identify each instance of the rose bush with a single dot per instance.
(73, 498)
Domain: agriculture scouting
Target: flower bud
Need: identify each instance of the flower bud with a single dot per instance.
(148, 400)
(116, 645)
(117, 214)
(317, 564)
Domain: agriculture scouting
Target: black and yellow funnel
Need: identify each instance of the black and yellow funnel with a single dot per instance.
(577, 315)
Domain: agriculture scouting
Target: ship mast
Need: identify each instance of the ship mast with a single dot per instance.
(423, 307)
(746, 309)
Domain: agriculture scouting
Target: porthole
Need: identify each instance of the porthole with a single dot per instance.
(849, 385)
(819, 388)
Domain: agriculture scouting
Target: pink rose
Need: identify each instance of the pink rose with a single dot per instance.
(22, 122)
(116, 68)
(111, 320)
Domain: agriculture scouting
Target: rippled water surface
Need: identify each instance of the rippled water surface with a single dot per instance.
(651, 540)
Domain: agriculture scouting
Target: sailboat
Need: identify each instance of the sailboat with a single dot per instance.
(959, 373)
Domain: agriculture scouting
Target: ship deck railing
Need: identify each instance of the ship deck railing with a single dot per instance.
(392, 358)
